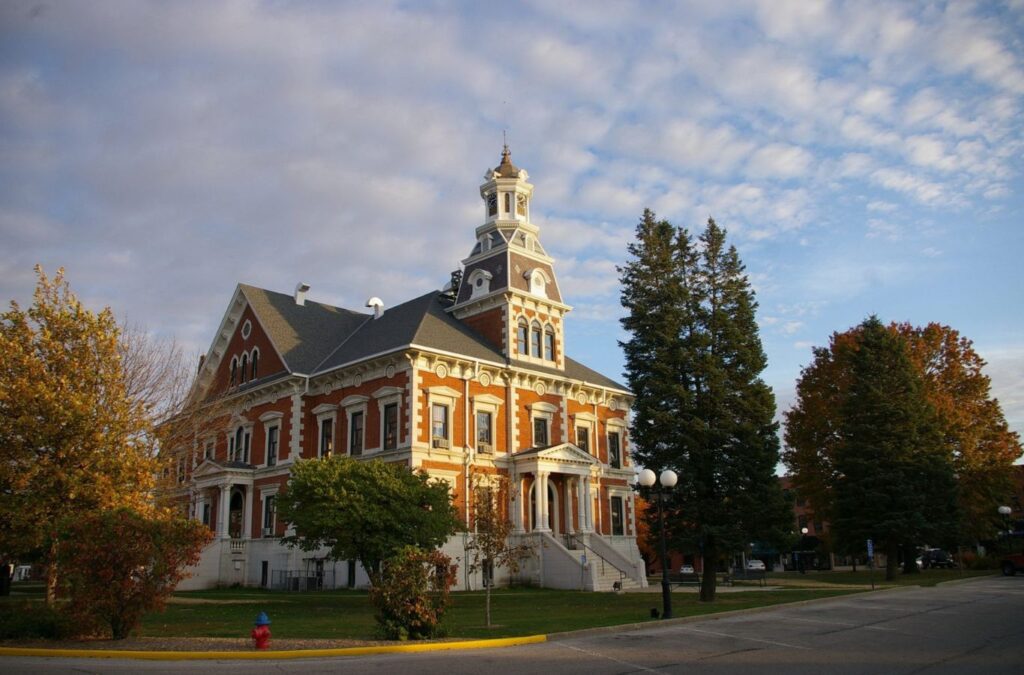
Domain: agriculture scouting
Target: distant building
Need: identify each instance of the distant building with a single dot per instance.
(473, 379)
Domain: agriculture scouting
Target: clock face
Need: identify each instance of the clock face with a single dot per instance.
(521, 204)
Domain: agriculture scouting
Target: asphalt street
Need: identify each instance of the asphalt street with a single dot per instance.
(972, 627)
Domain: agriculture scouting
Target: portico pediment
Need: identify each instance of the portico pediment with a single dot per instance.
(564, 453)
(212, 471)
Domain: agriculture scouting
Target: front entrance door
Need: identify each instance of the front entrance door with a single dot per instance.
(235, 519)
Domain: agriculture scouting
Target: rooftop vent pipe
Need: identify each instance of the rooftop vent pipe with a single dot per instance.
(300, 294)
(378, 306)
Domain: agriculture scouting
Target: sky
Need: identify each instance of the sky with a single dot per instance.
(865, 157)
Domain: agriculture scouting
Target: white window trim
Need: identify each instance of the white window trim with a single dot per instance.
(271, 420)
(617, 426)
(269, 491)
(246, 431)
(353, 404)
(588, 422)
(324, 412)
(479, 275)
(487, 403)
(612, 492)
(540, 414)
(386, 396)
(446, 396)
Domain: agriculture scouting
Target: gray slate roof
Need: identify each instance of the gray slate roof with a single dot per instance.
(316, 337)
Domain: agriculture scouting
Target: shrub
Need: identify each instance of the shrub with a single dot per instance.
(413, 594)
(120, 564)
(27, 620)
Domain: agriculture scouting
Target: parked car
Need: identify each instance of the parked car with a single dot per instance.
(935, 557)
(1012, 563)
(686, 569)
(755, 565)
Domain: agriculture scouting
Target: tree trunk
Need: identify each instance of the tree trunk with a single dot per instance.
(709, 579)
(892, 554)
(51, 577)
(488, 605)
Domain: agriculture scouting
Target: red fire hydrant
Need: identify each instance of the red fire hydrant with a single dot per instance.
(261, 633)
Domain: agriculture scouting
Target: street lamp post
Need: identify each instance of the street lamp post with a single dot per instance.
(666, 481)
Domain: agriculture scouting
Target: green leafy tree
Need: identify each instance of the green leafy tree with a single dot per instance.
(694, 362)
(74, 438)
(117, 565)
(973, 426)
(365, 510)
(489, 545)
(894, 472)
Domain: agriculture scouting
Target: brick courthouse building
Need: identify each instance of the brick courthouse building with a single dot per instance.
(472, 379)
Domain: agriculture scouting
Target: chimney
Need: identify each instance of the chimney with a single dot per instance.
(300, 294)
(378, 306)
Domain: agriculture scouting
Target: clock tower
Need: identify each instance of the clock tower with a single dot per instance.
(509, 292)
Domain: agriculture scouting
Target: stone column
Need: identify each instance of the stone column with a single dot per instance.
(569, 529)
(541, 517)
(518, 500)
(588, 506)
(224, 510)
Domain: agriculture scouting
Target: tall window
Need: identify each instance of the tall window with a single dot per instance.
(239, 450)
(391, 426)
(535, 339)
(206, 513)
(439, 424)
(211, 448)
(617, 517)
(245, 366)
(508, 203)
(255, 362)
(234, 371)
(269, 515)
(483, 428)
(549, 343)
(326, 437)
(540, 432)
(614, 450)
(523, 337)
(583, 438)
(272, 434)
(355, 435)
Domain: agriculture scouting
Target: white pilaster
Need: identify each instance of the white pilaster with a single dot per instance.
(542, 518)
(247, 513)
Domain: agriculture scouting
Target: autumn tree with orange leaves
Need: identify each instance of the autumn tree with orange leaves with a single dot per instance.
(73, 438)
(981, 444)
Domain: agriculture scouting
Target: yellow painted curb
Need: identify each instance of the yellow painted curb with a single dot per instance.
(270, 654)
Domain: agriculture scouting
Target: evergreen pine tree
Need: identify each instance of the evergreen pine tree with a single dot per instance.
(895, 479)
(701, 408)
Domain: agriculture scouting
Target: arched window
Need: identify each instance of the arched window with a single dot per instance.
(549, 343)
(522, 338)
(234, 372)
(508, 202)
(535, 334)
(245, 366)
(255, 361)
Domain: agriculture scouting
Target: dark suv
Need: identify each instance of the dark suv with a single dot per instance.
(936, 557)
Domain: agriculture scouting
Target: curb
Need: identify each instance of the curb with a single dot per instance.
(271, 655)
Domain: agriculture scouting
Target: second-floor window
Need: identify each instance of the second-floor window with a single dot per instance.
(239, 446)
(326, 437)
(355, 435)
(523, 338)
(269, 515)
(391, 426)
(540, 432)
(439, 424)
(483, 428)
(583, 438)
(272, 436)
(614, 450)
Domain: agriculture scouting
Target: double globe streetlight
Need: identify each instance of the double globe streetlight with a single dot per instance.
(666, 481)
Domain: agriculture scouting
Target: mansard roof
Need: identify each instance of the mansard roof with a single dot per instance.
(316, 337)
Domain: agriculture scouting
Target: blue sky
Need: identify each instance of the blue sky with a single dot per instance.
(865, 157)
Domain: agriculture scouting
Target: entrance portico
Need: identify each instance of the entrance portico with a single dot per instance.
(556, 485)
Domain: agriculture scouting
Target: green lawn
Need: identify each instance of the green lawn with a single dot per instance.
(348, 614)
(522, 611)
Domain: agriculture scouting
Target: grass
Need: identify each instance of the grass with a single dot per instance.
(348, 614)
(522, 611)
